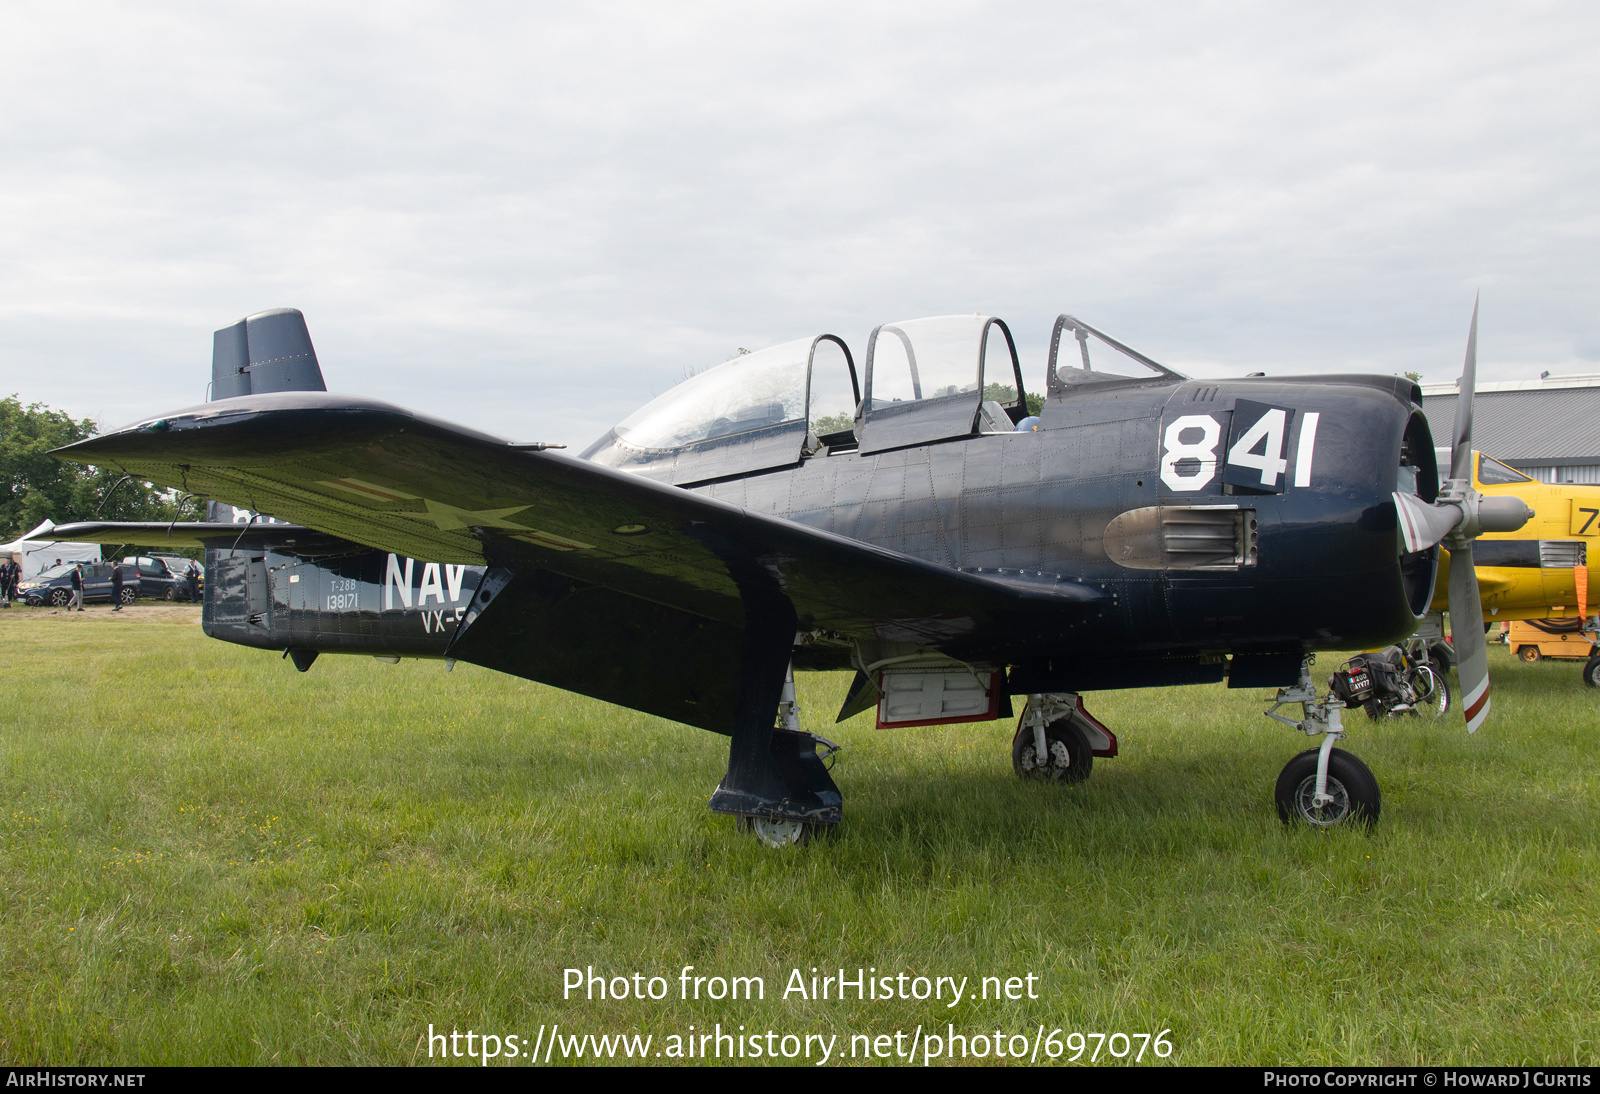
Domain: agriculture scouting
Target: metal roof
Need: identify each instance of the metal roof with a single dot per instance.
(1559, 426)
(1547, 381)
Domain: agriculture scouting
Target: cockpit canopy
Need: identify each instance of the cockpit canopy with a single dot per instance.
(932, 379)
(926, 380)
(751, 392)
(758, 411)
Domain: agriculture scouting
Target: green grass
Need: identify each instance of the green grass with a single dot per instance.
(207, 857)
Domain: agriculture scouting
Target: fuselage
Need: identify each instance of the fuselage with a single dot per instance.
(1200, 541)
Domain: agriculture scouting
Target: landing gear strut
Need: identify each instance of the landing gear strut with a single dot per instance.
(776, 785)
(1323, 786)
(778, 832)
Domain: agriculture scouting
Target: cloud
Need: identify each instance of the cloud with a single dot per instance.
(530, 219)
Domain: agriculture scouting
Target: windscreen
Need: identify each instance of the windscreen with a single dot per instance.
(1492, 472)
(1081, 355)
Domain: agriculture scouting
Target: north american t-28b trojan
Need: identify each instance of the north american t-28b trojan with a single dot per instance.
(780, 512)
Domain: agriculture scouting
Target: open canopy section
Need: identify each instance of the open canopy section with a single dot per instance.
(927, 378)
(1081, 356)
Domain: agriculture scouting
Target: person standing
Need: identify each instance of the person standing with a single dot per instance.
(77, 588)
(9, 571)
(193, 574)
(116, 586)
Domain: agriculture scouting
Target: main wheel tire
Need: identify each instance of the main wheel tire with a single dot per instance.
(59, 598)
(1530, 654)
(127, 596)
(776, 834)
(1350, 782)
(1591, 672)
(1071, 757)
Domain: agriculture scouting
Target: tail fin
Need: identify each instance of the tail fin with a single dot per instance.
(267, 351)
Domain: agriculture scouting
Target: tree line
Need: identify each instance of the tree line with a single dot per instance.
(36, 486)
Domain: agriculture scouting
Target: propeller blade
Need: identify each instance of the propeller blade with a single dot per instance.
(1421, 524)
(1461, 443)
(1466, 634)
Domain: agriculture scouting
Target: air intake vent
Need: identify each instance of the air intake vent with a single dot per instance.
(1562, 554)
(1183, 537)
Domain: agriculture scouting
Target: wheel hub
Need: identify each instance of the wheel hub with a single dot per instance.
(1060, 761)
(1332, 812)
(778, 833)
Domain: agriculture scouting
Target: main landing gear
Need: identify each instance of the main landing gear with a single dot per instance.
(777, 787)
(792, 831)
(1324, 786)
(1057, 740)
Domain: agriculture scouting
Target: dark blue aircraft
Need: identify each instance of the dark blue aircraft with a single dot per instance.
(782, 512)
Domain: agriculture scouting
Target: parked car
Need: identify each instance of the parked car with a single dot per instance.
(179, 566)
(160, 577)
(54, 585)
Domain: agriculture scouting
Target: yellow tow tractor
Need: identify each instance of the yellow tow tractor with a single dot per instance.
(1551, 640)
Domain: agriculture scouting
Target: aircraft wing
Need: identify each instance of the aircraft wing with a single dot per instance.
(394, 480)
(1494, 583)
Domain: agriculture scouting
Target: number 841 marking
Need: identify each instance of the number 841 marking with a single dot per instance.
(1258, 449)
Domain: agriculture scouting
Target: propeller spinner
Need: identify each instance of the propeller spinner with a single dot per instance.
(1459, 516)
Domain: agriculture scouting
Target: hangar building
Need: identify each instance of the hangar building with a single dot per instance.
(1547, 428)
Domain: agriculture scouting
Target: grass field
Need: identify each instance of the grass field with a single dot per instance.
(207, 857)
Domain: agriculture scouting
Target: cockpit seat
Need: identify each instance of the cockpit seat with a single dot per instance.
(750, 417)
(992, 418)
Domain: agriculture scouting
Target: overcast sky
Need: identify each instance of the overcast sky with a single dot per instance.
(531, 218)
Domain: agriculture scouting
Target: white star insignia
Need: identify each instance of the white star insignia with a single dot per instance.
(449, 518)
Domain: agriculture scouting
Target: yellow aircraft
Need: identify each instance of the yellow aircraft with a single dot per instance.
(1540, 571)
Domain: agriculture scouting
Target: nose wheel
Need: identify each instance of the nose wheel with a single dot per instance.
(1351, 793)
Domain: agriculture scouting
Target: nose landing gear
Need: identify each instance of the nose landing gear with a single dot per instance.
(1325, 786)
